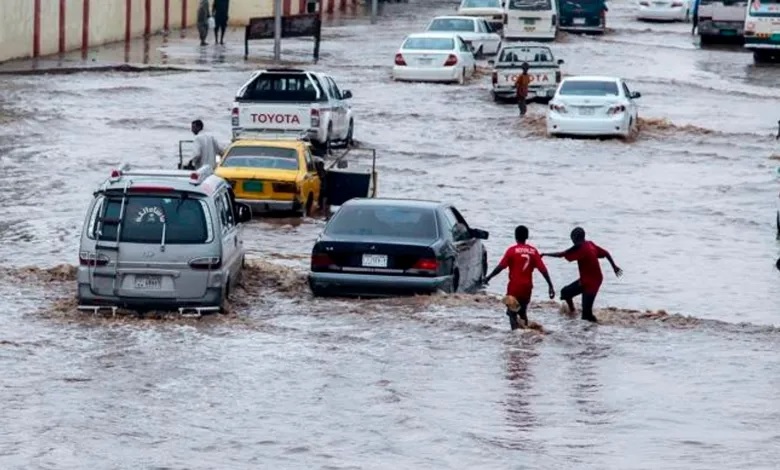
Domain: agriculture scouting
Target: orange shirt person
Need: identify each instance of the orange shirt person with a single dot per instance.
(522, 82)
(521, 259)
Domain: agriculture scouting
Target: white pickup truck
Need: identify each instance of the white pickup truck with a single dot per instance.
(280, 101)
(544, 70)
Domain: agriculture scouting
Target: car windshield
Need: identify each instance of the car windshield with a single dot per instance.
(452, 24)
(384, 221)
(481, 4)
(439, 44)
(531, 5)
(261, 157)
(289, 87)
(589, 88)
(181, 217)
(525, 54)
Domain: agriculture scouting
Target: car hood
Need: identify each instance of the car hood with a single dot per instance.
(257, 173)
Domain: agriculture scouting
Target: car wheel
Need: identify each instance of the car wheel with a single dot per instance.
(484, 267)
(309, 208)
(225, 297)
(349, 141)
(455, 282)
(496, 98)
(462, 77)
(480, 53)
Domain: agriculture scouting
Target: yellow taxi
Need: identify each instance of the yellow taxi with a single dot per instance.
(272, 175)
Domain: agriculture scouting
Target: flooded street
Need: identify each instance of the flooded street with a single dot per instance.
(687, 210)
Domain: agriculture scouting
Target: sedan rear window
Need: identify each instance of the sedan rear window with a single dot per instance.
(451, 24)
(439, 44)
(481, 4)
(384, 221)
(261, 157)
(589, 88)
(183, 219)
(525, 54)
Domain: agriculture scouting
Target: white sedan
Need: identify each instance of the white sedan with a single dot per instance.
(593, 106)
(434, 57)
(475, 31)
(491, 10)
(664, 10)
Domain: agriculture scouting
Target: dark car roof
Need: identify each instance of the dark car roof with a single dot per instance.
(394, 202)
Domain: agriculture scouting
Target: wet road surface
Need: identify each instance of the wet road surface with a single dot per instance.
(289, 382)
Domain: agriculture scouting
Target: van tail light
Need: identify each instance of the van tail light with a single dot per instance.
(315, 118)
(320, 261)
(92, 259)
(426, 265)
(558, 108)
(399, 60)
(451, 60)
(234, 117)
(494, 78)
(558, 76)
(208, 263)
(617, 109)
(290, 188)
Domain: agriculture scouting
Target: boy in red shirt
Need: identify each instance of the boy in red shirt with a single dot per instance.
(521, 259)
(587, 255)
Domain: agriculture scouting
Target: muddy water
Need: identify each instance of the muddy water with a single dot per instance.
(289, 382)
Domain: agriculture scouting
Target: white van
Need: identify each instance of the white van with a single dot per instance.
(531, 19)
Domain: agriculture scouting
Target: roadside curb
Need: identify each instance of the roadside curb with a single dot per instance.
(123, 67)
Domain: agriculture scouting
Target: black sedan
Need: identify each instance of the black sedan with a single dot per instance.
(383, 247)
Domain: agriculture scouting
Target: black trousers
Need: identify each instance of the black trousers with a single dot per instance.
(514, 317)
(522, 105)
(573, 290)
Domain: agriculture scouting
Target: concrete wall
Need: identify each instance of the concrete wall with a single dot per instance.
(32, 28)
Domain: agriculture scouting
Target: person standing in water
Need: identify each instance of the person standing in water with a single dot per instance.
(220, 20)
(206, 147)
(521, 88)
(203, 21)
(521, 259)
(587, 255)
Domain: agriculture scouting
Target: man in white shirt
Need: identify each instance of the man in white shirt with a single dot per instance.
(206, 147)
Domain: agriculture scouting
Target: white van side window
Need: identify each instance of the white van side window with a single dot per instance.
(225, 212)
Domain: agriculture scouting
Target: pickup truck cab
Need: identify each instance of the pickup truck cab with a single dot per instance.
(294, 101)
(544, 70)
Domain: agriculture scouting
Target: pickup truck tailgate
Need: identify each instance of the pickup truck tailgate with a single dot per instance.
(539, 77)
(274, 116)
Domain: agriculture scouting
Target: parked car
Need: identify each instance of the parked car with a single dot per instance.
(434, 57)
(295, 101)
(664, 10)
(381, 247)
(491, 11)
(476, 32)
(161, 240)
(544, 70)
(593, 106)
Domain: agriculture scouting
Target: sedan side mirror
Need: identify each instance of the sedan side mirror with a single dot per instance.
(560, 61)
(480, 234)
(243, 212)
(635, 95)
(346, 94)
(460, 232)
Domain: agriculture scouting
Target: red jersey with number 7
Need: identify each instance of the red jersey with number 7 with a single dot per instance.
(522, 260)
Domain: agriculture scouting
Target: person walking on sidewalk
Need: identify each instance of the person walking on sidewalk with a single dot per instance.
(220, 20)
(203, 21)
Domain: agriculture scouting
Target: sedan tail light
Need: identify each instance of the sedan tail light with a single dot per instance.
(494, 78)
(399, 60)
(92, 259)
(617, 109)
(320, 261)
(290, 188)
(426, 266)
(234, 117)
(315, 118)
(558, 108)
(208, 263)
(451, 60)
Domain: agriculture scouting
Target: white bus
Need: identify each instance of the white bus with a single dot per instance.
(762, 29)
(720, 19)
(531, 19)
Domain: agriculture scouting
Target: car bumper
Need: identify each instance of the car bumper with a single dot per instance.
(364, 285)
(669, 14)
(721, 28)
(88, 300)
(419, 74)
(509, 92)
(269, 205)
(558, 124)
(531, 35)
(752, 42)
(574, 28)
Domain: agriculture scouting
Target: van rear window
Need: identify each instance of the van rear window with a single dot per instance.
(530, 5)
(281, 87)
(183, 220)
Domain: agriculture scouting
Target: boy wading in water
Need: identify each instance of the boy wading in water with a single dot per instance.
(587, 255)
(521, 259)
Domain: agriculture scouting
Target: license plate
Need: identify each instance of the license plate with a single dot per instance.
(579, 21)
(424, 61)
(374, 261)
(529, 21)
(728, 32)
(530, 29)
(586, 111)
(148, 282)
(253, 186)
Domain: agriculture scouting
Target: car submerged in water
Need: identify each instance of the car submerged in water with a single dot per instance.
(383, 247)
